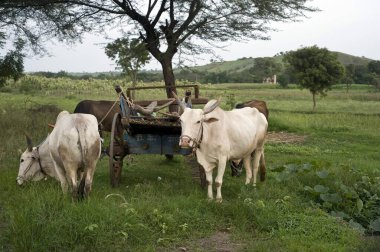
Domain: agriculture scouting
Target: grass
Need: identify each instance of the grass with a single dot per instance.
(160, 207)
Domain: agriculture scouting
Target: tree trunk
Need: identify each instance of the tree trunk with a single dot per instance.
(169, 79)
(314, 102)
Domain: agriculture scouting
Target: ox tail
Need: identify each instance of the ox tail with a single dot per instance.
(83, 148)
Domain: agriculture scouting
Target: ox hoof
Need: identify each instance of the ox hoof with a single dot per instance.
(218, 200)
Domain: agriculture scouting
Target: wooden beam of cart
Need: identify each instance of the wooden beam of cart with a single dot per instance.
(195, 86)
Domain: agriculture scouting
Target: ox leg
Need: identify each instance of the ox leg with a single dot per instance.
(219, 178)
(88, 179)
(256, 162)
(248, 170)
(210, 194)
(61, 176)
(71, 177)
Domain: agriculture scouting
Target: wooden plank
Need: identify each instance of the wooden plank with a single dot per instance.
(145, 103)
(195, 86)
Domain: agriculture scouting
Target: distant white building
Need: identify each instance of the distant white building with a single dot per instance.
(272, 79)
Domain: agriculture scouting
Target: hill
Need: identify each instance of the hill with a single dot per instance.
(347, 59)
(242, 64)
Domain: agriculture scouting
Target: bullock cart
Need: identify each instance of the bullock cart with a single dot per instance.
(150, 131)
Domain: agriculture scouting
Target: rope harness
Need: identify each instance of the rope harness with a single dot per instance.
(100, 122)
(196, 142)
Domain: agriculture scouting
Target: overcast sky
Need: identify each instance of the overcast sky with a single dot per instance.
(348, 26)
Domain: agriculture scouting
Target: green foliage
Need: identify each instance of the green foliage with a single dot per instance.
(12, 64)
(357, 203)
(374, 69)
(130, 55)
(374, 66)
(316, 69)
(264, 68)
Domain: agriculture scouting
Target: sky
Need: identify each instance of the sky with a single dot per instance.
(348, 26)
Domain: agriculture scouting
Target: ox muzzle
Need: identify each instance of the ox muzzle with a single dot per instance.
(187, 142)
(184, 142)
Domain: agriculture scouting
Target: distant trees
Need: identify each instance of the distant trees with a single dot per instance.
(167, 27)
(374, 69)
(130, 56)
(316, 69)
(264, 68)
(12, 64)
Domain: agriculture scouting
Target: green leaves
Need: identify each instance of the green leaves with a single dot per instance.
(322, 174)
(356, 226)
(91, 227)
(331, 197)
(375, 225)
(130, 55)
(316, 69)
(358, 203)
(288, 171)
(321, 189)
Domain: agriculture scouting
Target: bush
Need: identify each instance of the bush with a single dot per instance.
(356, 203)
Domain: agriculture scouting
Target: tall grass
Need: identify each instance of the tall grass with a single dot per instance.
(159, 206)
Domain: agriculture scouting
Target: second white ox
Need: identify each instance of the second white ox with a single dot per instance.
(72, 149)
(219, 136)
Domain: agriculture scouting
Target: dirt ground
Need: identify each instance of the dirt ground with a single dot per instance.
(284, 137)
(218, 242)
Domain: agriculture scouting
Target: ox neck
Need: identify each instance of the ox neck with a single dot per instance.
(45, 160)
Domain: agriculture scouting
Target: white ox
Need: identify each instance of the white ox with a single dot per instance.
(71, 150)
(219, 136)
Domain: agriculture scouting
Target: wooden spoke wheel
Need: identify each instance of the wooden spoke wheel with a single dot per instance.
(116, 150)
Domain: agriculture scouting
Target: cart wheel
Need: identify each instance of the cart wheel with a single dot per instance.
(116, 151)
(197, 170)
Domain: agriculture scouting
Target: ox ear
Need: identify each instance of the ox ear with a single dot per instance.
(210, 120)
(29, 143)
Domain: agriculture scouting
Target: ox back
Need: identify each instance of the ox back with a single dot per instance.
(99, 109)
(260, 105)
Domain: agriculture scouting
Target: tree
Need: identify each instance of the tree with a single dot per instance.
(35, 21)
(169, 26)
(374, 76)
(264, 68)
(374, 66)
(316, 69)
(12, 65)
(129, 55)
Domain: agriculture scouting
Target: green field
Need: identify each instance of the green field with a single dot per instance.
(322, 191)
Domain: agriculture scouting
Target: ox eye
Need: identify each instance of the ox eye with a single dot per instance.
(22, 160)
(198, 121)
(34, 158)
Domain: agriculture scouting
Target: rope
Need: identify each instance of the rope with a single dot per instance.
(118, 98)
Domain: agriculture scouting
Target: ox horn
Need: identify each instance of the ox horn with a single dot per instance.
(145, 111)
(29, 142)
(158, 108)
(181, 104)
(211, 107)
